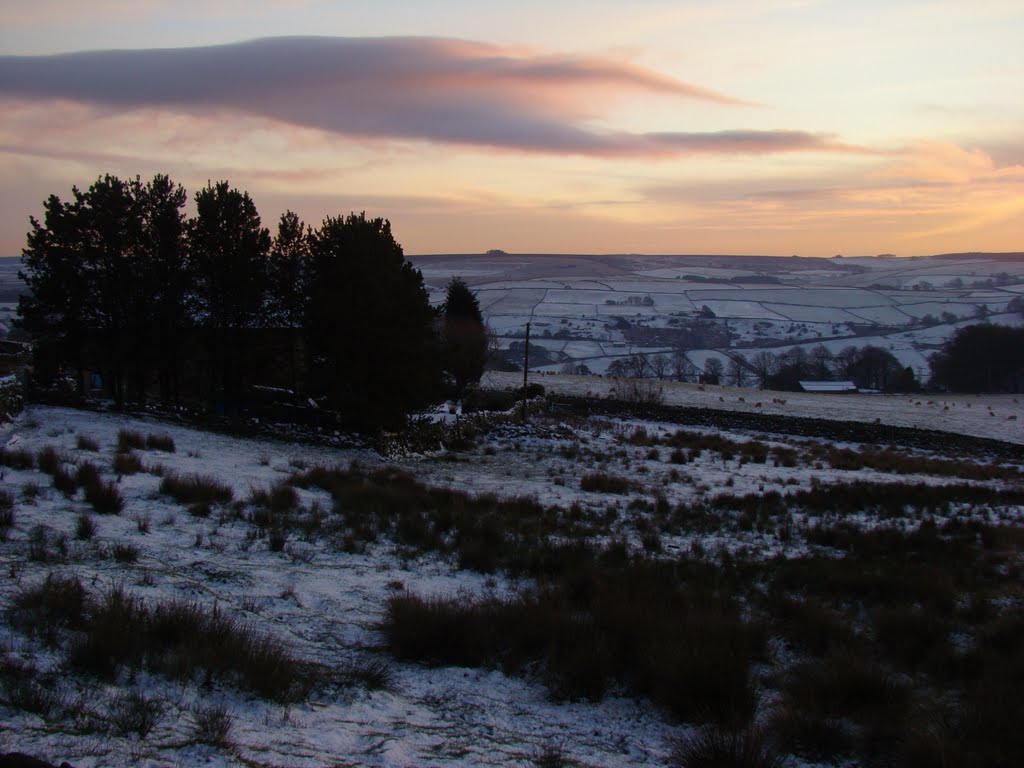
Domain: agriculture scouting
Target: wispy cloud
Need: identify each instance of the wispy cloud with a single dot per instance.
(427, 89)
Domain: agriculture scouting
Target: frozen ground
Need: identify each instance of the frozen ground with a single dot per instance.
(325, 603)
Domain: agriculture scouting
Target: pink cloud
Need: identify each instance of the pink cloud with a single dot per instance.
(425, 89)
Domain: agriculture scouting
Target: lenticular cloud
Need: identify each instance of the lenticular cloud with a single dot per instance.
(400, 88)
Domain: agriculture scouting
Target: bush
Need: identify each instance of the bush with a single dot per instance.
(87, 475)
(196, 489)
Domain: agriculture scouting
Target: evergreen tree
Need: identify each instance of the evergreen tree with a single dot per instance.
(288, 278)
(228, 249)
(373, 352)
(464, 337)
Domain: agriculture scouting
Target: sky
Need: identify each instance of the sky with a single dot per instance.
(778, 127)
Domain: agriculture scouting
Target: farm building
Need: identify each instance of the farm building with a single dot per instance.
(830, 387)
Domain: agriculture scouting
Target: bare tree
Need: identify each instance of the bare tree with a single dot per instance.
(637, 366)
(682, 368)
(713, 370)
(737, 373)
(821, 362)
(660, 365)
(764, 364)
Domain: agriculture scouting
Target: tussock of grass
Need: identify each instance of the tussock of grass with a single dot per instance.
(127, 439)
(86, 443)
(17, 458)
(715, 748)
(105, 498)
(127, 463)
(196, 489)
(176, 638)
(687, 650)
(163, 443)
(600, 482)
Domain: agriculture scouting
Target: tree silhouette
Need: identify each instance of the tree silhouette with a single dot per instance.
(228, 249)
(373, 352)
(288, 273)
(463, 336)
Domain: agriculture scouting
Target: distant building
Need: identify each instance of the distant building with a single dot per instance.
(832, 387)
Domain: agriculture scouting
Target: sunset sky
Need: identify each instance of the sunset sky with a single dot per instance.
(808, 127)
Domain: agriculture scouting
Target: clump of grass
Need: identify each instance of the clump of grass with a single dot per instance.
(127, 439)
(602, 482)
(124, 553)
(105, 498)
(30, 491)
(134, 712)
(714, 748)
(6, 513)
(85, 528)
(181, 639)
(17, 458)
(87, 474)
(687, 650)
(86, 443)
(193, 489)
(48, 460)
(127, 463)
(58, 603)
(64, 480)
(163, 443)
(213, 724)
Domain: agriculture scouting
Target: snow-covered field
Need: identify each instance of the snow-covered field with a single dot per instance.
(326, 604)
(765, 302)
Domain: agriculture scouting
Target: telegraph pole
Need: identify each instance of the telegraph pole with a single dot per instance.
(526, 369)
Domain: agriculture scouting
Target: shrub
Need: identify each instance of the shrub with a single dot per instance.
(127, 463)
(85, 443)
(160, 443)
(193, 489)
(17, 458)
(30, 490)
(127, 439)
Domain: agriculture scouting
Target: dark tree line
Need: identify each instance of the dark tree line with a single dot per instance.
(123, 286)
(981, 358)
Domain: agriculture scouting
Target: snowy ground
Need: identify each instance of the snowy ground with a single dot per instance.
(1000, 417)
(909, 306)
(326, 603)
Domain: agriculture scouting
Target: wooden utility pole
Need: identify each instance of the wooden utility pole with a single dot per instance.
(526, 369)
